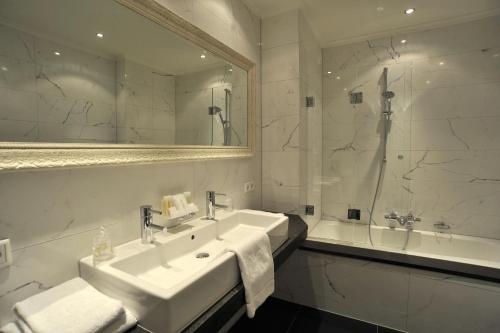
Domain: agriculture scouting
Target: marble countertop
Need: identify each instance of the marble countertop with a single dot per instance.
(228, 306)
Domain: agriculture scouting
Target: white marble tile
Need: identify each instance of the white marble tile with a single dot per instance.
(338, 285)
(280, 63)
(280, 133)
(18, 105)
(444, 304)
(456, 134)
(281, 168)
(465, 101)
(280, 29)
(17, 74)
(69, 111)
(15, 130)
(280, 98)
(16, 44)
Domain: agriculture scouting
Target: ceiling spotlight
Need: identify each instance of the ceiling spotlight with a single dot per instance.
(230, 69)
(380, 9)
(338, 77)
(203, 56)
(441, 63)
(328, 72)
(409, 11)
(427, 82)
(5, 69)
(57, 53)
(99, 35)
(403, 41)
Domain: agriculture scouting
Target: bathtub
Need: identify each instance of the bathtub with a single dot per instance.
(465, 255)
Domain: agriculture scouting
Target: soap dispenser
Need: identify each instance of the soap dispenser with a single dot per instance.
(102, 248)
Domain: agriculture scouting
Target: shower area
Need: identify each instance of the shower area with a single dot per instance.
(409, 185)
(411, 144)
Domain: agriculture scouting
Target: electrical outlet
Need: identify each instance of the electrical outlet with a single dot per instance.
(249, 186)
(5, 253)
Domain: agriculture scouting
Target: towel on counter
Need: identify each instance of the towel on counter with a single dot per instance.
(73, 307)
(255, 260)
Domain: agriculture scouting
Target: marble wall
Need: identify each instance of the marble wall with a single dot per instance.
(145, 104)
(402, 298)
(51, 216)
(46, 97)
(291, 157)
(199, 90)
(444, 141)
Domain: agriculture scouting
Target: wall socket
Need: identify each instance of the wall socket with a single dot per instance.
(249, 186)
(5, 253)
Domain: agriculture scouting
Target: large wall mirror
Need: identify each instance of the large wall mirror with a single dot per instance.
(117, 81)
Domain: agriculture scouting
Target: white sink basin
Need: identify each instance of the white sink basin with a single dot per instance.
(170, 283)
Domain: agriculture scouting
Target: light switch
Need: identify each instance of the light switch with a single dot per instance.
(5, 253)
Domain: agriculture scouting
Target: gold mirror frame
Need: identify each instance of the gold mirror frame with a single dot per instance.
(20, 156)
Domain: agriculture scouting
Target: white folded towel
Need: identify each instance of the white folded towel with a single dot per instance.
(122, 324)
(73, 307)
(255, 260)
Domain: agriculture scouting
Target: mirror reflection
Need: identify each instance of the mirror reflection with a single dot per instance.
(96, 72)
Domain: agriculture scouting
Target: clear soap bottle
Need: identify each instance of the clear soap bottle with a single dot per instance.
(102, 248)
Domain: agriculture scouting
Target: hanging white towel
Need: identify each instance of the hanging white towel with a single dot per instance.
(72, 307)
(255, 260)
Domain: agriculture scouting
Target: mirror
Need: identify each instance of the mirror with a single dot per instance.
(97, 72)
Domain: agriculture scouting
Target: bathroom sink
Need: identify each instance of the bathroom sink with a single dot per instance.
(170, 283)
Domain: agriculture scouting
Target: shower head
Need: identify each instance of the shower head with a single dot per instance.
(228, 91)
(213, 110)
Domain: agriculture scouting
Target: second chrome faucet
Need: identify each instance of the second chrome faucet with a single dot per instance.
(211, 205)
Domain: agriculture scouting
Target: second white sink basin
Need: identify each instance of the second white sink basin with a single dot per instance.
(170, 283)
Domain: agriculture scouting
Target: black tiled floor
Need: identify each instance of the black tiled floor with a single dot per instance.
(273, 316)
(313, 320)
(279, 316)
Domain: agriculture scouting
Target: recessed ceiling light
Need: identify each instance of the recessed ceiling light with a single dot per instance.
(427, 82)
(328, 72)
(338, 77)
(380, 9)
(441, 63)
(403, 41)
(57, 53)
(409, 11)
(230, 69)
(496, 55)
(5, 69)
(99, 35)
(345, 89)
(203, 56)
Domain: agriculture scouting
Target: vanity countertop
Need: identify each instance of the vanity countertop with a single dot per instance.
(234, 301)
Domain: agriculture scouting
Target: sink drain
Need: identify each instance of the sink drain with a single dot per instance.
(202, 255)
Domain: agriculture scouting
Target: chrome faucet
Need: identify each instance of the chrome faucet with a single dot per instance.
(211, 205)
(147, 225)
(404, 220)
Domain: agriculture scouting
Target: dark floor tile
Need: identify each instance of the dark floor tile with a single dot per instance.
(273, 316)
(315, 321)
(387, 330)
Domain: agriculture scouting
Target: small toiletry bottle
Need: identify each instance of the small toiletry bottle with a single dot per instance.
(102, 248)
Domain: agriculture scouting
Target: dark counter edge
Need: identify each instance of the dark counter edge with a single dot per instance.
(419, 262)
(221, 312)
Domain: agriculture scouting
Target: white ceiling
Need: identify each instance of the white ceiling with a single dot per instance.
(126, 34)
(337, 22)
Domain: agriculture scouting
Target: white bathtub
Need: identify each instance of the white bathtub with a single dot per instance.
(444, 246)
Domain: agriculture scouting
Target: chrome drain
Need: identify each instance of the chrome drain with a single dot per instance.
(202, 255)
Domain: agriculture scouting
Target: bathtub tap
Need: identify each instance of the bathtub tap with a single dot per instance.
(405, 220)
